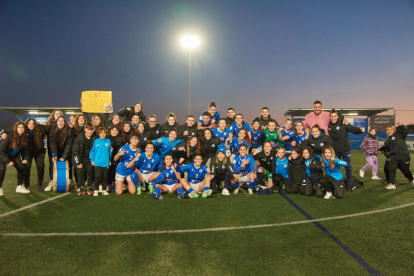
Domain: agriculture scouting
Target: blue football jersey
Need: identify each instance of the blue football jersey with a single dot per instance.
(234, 129)
(257, 139)
(300, 139)
(248, 168)
(282, 167)
(235, 145)
(195, 175)
(169, 177)
(221, 135)
(129, 155)
(146, 165)
(292, 137)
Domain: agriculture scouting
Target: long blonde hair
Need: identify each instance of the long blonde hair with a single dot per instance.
(332, 163)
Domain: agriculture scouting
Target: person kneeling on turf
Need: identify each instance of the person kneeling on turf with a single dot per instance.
(243, 166)
(198, 179)
(313, 172)
(333, 173)
(221, 170)
(169, 179)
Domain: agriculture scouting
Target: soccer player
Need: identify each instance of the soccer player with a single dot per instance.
(198, 180)
(235, 143)
(333, 176)
(243, 166)
(170, 180)
(189, 129)
(300, 134)
(165, 144)
(280, 170)
(149, 164)
(100, 155)
(287, 135)
(142, 136)
(125, 155)
(258, 137)
(205, 123)
(239, 124)
(127, 131)
(214, 116)
(134, 121)
(264, 160)
(80, 152)
(272, 134)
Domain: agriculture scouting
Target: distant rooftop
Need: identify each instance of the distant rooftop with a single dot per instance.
(367, 112)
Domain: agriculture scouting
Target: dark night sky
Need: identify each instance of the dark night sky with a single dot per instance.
(281, 54)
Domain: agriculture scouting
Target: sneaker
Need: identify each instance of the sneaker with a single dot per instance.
(1, 191)
(182, 195)
(81, 192)
(95, 193)
(391, 187)
(40, 187)
(100, 189)
(250, 191)
(49, 186)
(27, 187)
(150, 188)
(328, 195)
(361, 173)
(225, 192)
(139, 190)
(236, 191)
(207, 193)
(193, 194)
(104, 192)
(21, 190)
(156, 195)
(90, 192)
(375, 177)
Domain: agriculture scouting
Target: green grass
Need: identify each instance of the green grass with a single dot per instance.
(383, 240)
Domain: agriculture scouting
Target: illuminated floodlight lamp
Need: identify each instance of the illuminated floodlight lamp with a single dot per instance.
(190, 41)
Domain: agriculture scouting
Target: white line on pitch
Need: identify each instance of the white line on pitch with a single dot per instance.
(202, 230)
(32, 205)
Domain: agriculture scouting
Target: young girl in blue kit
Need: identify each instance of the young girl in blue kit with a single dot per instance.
(100, 155)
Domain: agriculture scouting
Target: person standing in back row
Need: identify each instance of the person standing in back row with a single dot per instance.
(339, 135)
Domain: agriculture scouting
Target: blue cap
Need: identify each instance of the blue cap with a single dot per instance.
(221, 148)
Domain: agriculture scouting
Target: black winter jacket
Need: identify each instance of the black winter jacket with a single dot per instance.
(317, 144)
(61, 151)
(129, 113)
(155, 132)
(219, 169)
(210, 148)
(5, 149)
(192, 131)
(396, 148)
(316, 171)
(338, 132)
(297, 171)
(78, 148)
(165, 128)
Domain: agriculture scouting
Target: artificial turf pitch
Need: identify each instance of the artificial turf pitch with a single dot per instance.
(384, 241)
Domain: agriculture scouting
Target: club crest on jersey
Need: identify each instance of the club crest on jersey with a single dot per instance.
(223, 167)
(338, 127)
(106, 144)
(157, 132)
(152, 161)
(213, 145)
(393, 138)
(285, 166)
(322, 144)
(145, 138)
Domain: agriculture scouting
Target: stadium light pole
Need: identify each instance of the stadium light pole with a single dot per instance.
(190, 42)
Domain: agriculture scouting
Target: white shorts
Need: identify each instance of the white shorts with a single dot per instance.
(145, 176)
(169, 187)
(257, 150)
(122, 178)
(245, 178)
(195, 186)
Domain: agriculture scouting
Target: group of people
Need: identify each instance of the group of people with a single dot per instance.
(128, 153)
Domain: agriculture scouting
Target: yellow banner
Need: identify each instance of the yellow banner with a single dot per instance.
(97, 101)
